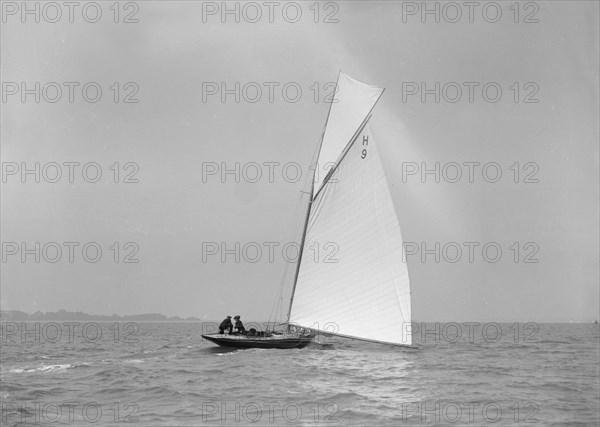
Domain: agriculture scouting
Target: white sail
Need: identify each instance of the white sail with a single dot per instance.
(351, 105)
(362, 290)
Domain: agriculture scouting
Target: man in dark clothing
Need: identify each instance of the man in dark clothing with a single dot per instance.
(239, 325)
(226, 324)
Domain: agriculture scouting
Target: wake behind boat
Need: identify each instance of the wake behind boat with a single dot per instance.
(351, 208)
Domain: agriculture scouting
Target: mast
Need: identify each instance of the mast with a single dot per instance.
(310, 200)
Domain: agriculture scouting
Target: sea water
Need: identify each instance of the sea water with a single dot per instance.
(56, 373)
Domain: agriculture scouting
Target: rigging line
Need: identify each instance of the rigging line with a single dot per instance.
(277, 305)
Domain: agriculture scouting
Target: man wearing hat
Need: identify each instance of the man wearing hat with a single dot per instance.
(239, 325)
(226, 324)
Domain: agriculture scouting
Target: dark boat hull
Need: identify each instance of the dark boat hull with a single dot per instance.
(242, 341)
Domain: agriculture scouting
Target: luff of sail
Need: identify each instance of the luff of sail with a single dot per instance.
(363, 289)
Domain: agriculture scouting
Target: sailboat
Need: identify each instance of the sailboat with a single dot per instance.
(365, 295)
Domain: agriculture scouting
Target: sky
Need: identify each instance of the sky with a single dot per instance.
(518, 97)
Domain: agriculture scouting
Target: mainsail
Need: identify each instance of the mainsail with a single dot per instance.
(352, 279)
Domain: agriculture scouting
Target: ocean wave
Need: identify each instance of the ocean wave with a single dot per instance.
(46, 369)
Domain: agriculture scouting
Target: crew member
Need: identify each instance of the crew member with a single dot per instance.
(226, 324)
(239, 325)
